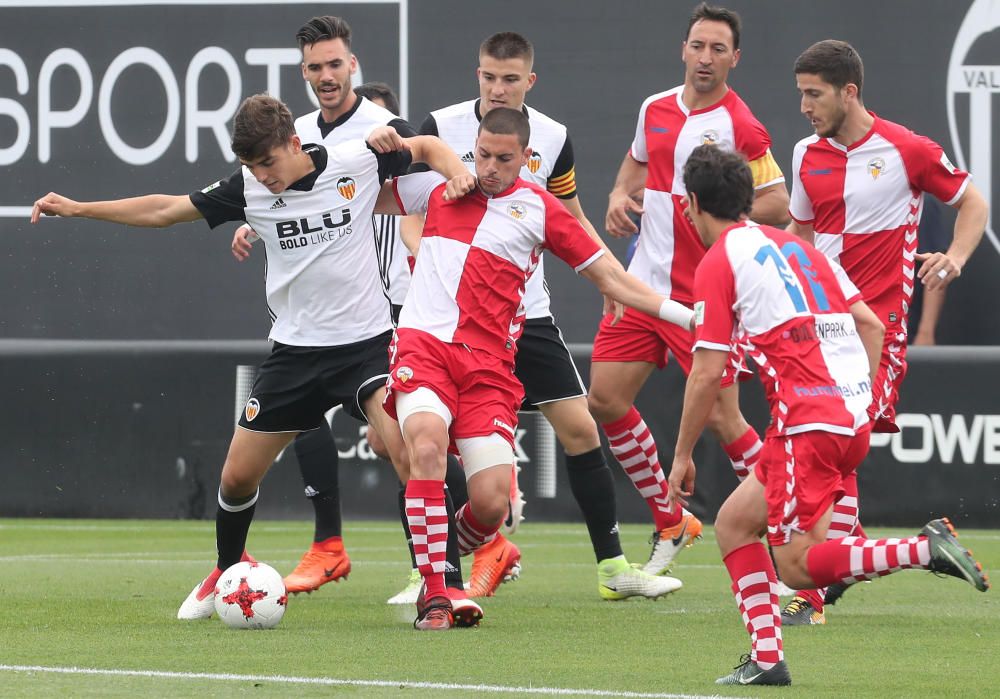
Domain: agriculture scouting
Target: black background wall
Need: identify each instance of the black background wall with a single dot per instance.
(596, 62)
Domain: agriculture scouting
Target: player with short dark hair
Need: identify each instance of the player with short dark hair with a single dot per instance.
(344, 114)
(817, 347)
(312, 206)
(452, 382)
(857, 187)
(543, 363)
(671, 124)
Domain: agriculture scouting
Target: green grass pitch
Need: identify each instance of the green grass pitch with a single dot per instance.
(89, 610)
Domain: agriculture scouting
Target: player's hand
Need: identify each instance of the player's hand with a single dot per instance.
(617, 222)
(52, 204)
(384, 139)
(680, 484)
(243, 240)
(459, 186)
(937, 270)
(614, 309)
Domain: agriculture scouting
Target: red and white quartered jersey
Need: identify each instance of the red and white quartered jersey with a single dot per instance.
(669, 248)
(864, 202)
(477, 253)
(789, 305)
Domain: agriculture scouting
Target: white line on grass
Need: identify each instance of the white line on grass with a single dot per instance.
(331, 681)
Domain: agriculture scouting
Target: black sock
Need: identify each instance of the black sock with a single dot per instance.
(406, 524)
(232, 523)
(453, 562)
(319, 465)
(455, 480)
(593, 486)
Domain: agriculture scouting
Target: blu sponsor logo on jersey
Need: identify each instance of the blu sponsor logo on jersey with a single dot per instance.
(301, 232)
(971, 90)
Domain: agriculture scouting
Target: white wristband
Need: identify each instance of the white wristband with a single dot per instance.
(676, 313)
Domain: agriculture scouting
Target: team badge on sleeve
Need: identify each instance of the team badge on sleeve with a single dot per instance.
(534, 162)
(699, 312)
(252, 410)
(347, 187)
(875, 167)
(212, 186)
(404, 373)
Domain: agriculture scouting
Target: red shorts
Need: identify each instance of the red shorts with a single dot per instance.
(638, 337)
(803, 476)
(478, 388)
(891, 367)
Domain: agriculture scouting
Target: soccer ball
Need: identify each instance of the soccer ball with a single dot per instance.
(250, 595)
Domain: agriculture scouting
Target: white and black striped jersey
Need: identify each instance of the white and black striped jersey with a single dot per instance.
(551, 166)
(323, 282)
(393, 268)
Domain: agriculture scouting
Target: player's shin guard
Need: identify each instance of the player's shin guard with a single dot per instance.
(471, 532)
(232, 523)
(852, 559)
(633, 447)
(319, 465)
(755, 587)
(744, 453)
(428, 519)
(593, 486)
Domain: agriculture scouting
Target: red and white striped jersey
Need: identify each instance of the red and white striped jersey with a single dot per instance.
(669, 248)
(789, 305)
(476, 254)
(864, 201)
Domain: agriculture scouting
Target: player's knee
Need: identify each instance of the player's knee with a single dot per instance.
(234, 483)
(426, 457)
(604, 406)
(579, 436)
(793, 570)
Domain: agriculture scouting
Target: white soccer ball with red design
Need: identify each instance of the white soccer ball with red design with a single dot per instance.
(250, 596)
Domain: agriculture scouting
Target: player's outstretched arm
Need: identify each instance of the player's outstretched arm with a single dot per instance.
(631, 180)
(938, 269)
(700, 394)
(150, 211)
(872, 334)
(770, 205)
(441, 158)
(613, 281)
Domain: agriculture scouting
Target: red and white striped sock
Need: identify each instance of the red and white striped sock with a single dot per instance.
(471, 532)
(428, 519)
(633, 447)
(853, 559)
(843, 523)
(755, 587)
(744, 453)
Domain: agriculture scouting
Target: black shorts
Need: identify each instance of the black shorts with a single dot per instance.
(544, 365)
(296, 386)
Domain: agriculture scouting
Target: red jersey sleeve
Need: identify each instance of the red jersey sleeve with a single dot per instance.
(715, 297)
(565, 237)
(931, 171)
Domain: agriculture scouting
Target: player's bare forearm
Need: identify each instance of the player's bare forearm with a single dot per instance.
(770, 205)
(613, 281)
(410, 229)
(970, 224)
(630, 181)
(700, 393)
(872, 334)
(436, 153)
(149, 211)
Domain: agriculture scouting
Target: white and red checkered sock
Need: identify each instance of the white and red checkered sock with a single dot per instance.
(843, 523)
(633, 447)
(744, 453)
(755, 587)
(428, 519)
(471, 532)
(852, 559)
